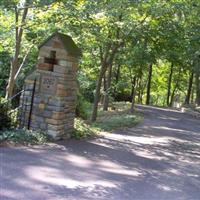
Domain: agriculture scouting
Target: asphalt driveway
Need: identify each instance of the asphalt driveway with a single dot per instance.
(157, 160)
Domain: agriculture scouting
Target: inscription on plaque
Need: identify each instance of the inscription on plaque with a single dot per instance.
(48, 84)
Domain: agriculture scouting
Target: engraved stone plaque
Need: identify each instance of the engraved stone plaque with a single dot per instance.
(48, 84)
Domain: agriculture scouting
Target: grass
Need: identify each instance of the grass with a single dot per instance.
(117, 118)
(117, 121)
(24, 137)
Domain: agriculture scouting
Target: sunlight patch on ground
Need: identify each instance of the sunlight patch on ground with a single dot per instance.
(52, 176)
(100, 143)
(162, 109)
(164, 187)
(148, 154)
(112, 167)
(170, 118)
(172, 129)
(9, 194)
(137, 139)
(79, 161)
(174, 171)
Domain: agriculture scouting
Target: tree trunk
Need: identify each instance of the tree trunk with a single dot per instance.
(197, 89)
(149, 85)
(97, 93)
(104, 89)
(172, 97)
(140, 90)
(133, 95)
(189, 90)
(105, 62)
(117, 76)
(169, 85)
(175, 88)
(18, 38)
(108, 85)
(192, 95)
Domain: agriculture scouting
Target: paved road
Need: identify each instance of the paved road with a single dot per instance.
(157, 160)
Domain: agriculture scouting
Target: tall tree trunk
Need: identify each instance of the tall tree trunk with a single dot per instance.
(198, 88)
(175, 88)
(192, 95)
(189, 90)
(117, 76)
(105, 62)
(169, 85)
(97, 93)
(104, 89)
(149, 85)
(172, 97)
(133, 95)
(108, 85)
(140, 90)
(15, 61)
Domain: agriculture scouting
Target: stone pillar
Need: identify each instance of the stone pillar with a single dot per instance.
(55, 93)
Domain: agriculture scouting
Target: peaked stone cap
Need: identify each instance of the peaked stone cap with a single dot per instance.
(67, 42)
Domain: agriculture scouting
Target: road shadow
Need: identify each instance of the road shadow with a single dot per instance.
(158, 159)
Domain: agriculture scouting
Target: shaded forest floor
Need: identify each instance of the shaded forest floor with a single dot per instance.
(158, 159)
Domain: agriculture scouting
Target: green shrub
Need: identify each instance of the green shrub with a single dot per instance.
(82, 107)
(24, 137)
(5, 116)
(117, 121)
(82, 129)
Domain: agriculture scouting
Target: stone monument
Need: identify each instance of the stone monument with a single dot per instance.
(51, 106)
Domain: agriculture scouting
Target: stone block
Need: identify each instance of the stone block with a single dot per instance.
(58, 115)
(71, 58)
(65, 63)
(56, 102)
(53, 121)
(55, 127)
(34, 126)
(54, 134)
(43, 126)
(60, 69)
(41, 60)
(66, 136)
(60, 75)
(47, 113)
(61, 87)
(71, 98)
(62, 93)
(41, 106)
(29, 81)
(44, 52)
(57, 44)
(45, 66)
(61, 54)
(39, 119)
(54, 108)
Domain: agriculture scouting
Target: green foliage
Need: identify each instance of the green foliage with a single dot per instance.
(83, 129)
(5, 117)
(119, 118)
(24, 137)
(83, 107)
(4, 70)
(151, 32)
(118, 121)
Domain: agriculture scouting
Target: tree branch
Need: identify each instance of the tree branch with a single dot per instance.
(23, 62)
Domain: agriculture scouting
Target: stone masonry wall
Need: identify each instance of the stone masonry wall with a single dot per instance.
(55, 93)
